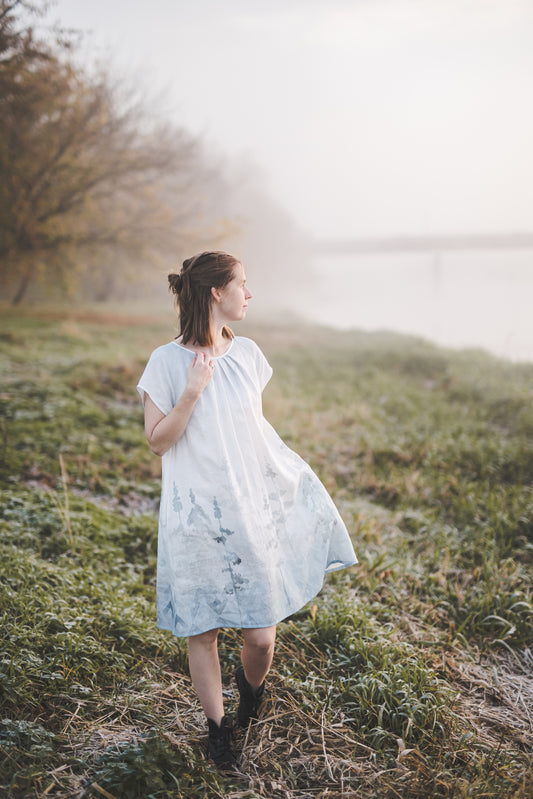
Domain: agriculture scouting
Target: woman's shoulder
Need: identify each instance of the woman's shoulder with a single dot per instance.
(248, 348)
(255, 360)
(246, 344)
(168, 353)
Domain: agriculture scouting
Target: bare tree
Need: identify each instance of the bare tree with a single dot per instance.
(80, 167)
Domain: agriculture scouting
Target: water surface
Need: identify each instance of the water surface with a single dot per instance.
(457, 299)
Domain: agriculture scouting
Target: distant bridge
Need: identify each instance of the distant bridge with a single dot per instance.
(437, 243)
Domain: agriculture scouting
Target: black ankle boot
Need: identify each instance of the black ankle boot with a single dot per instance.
(250, 700)
(219, 745)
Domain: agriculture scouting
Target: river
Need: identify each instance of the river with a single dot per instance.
(456, 299)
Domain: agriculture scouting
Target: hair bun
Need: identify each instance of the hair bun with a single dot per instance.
(175, 282)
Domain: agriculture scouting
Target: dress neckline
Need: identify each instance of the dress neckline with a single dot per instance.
(213, 357)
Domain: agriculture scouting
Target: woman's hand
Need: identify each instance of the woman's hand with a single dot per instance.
(199, 373)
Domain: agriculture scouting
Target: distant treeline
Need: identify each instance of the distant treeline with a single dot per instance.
(435, 243)
(96, 194)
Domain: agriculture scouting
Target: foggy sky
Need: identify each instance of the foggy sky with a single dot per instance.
(365, 117)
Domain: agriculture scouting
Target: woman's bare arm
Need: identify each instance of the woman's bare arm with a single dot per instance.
(162, 431)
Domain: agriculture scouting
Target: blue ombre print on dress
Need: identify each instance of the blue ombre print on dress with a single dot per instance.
(246, 529)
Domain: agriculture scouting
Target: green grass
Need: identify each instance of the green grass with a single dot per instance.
(409, 675)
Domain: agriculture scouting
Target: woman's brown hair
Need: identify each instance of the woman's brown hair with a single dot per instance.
(192, 287)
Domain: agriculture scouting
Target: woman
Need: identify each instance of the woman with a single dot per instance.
(246, 529)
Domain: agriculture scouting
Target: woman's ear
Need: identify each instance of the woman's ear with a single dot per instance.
(215, 293)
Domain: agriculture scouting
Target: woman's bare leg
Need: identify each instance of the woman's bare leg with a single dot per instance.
(204, 667)
(257, 653)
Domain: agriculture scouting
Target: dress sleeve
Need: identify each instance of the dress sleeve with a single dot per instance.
(156, 381)
(264, 370)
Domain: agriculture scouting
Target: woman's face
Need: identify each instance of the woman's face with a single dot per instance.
(231, 302)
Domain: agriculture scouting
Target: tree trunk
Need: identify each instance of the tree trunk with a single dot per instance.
(23, 286)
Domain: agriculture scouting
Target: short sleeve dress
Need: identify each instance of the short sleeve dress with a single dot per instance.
(246, 529)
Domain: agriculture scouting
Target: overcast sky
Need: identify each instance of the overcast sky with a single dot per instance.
(364, 116)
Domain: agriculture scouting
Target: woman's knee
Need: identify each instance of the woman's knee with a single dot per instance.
(262, 639)
(207, 639)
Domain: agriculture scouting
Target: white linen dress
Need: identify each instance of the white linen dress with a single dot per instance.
(246, 529)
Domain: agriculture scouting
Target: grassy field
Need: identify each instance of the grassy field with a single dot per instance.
(410, 675)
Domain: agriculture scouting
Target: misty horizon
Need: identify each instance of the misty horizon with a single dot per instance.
(360, 119)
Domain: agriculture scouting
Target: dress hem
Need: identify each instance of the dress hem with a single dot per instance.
(259, 626)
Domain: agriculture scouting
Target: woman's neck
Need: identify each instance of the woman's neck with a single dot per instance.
(220, 344)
